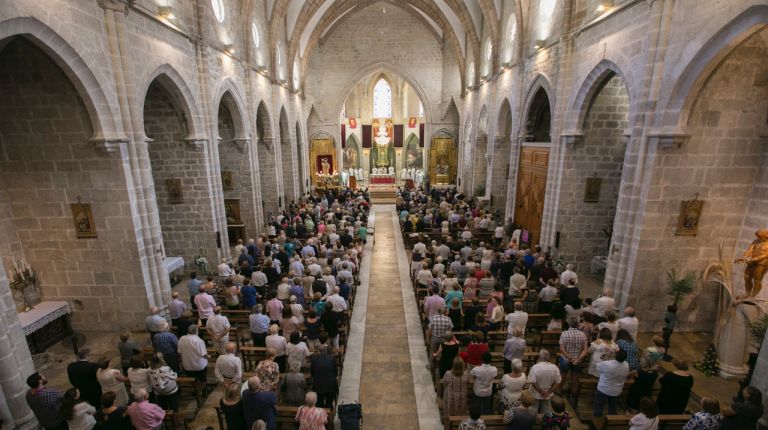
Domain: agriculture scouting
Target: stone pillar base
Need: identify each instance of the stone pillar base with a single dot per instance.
(732, 372)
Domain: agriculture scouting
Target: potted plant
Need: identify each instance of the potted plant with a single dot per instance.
(680, 287)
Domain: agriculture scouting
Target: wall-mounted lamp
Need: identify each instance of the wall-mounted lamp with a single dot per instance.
(605, 6)
(166, 13)
(539, 44)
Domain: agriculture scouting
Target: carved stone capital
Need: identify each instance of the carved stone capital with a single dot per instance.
(669, 140)
(196, 142)
(108, 144)
(116, 5)
(241, 143)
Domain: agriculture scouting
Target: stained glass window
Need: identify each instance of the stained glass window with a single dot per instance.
(382, 99)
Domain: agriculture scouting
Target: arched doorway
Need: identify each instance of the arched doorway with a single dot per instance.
(532, 171)
(480, 164)
(501, 157)
(236, 174)
(286, 157)
(265, 149)
(179, 174)
(592, 173)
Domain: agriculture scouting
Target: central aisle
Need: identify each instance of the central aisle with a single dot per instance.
(386, 382)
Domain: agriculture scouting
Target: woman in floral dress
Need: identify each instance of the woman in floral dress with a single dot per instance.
(455, 393)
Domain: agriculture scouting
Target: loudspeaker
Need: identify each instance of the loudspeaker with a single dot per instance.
(557, 239)
(218, 239)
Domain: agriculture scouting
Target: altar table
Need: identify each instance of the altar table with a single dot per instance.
(45, 324)
(172, 264)
(382, 179)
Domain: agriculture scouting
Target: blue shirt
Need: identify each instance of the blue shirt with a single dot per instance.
(259, 405)
(259, 323)
(298, 291)
(345, 290)
(194, 286)
(249, 296)
(166, 343)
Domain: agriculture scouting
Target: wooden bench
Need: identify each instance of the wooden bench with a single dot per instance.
(666, 422)
(174, 421)
(587, 388)
(191, 387)
(492, 422)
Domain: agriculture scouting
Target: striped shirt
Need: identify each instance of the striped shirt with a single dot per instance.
(45, 404)
(311, 418)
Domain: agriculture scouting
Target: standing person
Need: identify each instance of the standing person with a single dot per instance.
(483, 377)
(218, 327)
(743, 415)
(708, 419)
(512, 385)
(558, 418)
(77, 412)
(514, 348)
(545, 379)
(163, 381)
(324, 371)
(259, 326)
(82, 375)
(249, 294)
(454, 386)
(309, 416)
(231, 405)
(644, 381)
(229, 367)
(138, 376)
(127, 349)
(613, 375)
(670, 324)
(112, 380)
(446, 353)
(193, 286)
(176, 308)
(676, 388)
(647, 418)
(573, 350)
(205, 305)
(522, 417)
(145, 415)
(259, 404)
(111, 416)
(167, 344)
(45, 403)
(194, 355)
(438, 325)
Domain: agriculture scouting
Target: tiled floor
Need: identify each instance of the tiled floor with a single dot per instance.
(386, 384)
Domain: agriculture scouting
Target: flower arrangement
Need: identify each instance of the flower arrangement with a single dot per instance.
(202, 264)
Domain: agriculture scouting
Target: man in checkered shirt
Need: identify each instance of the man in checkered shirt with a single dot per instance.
(438, 325)
(573, 349)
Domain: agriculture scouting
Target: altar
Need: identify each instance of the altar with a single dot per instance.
(172, 265)
(45, 324)
(382, 178)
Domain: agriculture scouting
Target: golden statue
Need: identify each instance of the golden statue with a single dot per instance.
(756, 260)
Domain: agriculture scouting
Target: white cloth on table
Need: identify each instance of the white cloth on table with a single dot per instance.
(173, 263)
(42, 314)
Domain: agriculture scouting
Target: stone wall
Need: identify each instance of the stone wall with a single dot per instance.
(585, 227)
(47, 165)
(233, 157)
(187, 226)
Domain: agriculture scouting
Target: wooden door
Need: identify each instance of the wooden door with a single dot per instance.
(531, 186)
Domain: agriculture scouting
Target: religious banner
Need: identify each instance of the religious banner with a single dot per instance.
(421, 135)
(343, 135)
(352, 123)
(412, 122)
(367, 136)
(398, 135)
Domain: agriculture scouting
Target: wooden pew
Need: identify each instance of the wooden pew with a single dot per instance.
(190, 387)
(666, 422)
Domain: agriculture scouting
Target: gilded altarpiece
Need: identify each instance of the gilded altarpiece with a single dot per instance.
(320, 149)
(443, 161)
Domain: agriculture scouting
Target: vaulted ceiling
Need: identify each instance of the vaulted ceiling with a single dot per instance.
(459, 22)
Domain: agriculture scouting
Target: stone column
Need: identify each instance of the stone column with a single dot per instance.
(15, 363)
(760, 380)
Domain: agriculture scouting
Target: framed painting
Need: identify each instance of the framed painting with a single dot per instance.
(232, 211)
(82, 215)
(592, 190)
(688, 221)
(227, 180)
(175, 194)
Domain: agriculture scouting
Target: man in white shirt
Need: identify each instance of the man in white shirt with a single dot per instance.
(283, 290)
(224, 269)
(547, 296)
(629, 322)
(544, 378)
(259, 279)
(420, 248)
(229, 367)
(439, 267)
(568, 274)
(483, 387)
(516, 282)
(296, 267)
(338, 302)
(205, 304)
(444, 251)
(239, 247)
(218, 328)
(194, 355)
(517, 319)
(603, 304)
(613, 375)
(314, 268)
(498, 235)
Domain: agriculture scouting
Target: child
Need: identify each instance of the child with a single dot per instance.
(656, 352)
(558, 418)
(670, 324)
(474, 422)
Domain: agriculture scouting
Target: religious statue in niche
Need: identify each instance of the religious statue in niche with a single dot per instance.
(175, 194)
(232, 211)
(442, 167)
(755, 259)
(350, 158)
(325, 166)
(592, 190)
(227, 181)
(688, 221)
(85, 226)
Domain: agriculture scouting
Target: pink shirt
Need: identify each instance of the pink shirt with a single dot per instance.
(145, 415)
(431, 304)
(205, 304)
(275, 309)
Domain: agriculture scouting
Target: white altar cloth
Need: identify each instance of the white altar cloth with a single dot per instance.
(173, 263)
(42, 314)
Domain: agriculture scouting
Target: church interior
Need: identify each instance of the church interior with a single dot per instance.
(413, 214)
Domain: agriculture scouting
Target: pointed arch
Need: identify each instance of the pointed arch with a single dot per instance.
(89, 88)
(593, 83)
(382, 98)
(698, 70)
(263, 122)
(539, 92)
(504, 119)
(228, 94)
(482, 122)
(172, 81)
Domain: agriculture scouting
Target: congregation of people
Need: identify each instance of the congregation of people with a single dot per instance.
(512, 336)
(285, 298)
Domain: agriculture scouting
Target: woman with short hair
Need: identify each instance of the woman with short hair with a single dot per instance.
(647, 418)
(77, 412)
(521, 417)
(268, 371)
(112, 380)
(309, 416)
(231, 406)
(512, 385)
(708, 419)
(294, 384)
(675, 388)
